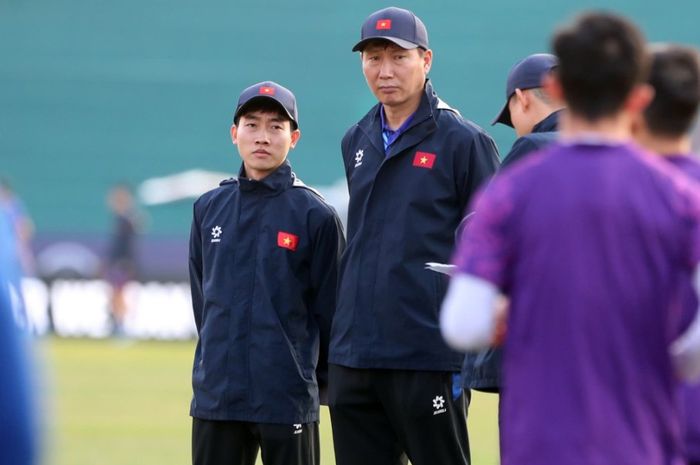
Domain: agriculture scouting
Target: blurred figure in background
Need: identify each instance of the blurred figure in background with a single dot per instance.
(665, 128)
(17, 430)
(120, 266)
(19, 230)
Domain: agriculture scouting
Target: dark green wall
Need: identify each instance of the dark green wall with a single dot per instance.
(94, 92)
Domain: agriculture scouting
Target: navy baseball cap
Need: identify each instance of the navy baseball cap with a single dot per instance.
(525, 74)
(397, 25)
(271, 91)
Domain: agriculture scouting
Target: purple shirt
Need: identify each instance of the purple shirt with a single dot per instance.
(590, 242)
(691, 394)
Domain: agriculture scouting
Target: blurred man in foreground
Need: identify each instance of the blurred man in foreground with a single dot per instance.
(18, 443)
(589, 239)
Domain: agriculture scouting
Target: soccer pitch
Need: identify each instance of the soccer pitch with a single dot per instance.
(105, 402)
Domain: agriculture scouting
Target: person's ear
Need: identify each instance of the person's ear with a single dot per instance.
(639, 98)
(427, 60)
(552, 87)
(523, 98)
(234, 134)
(638, 126)
(296, 134)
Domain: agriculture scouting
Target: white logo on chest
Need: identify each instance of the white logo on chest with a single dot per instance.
(358, 157)
(216, 233)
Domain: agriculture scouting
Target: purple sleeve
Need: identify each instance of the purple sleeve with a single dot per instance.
(692, 216)
(484, 248)
(695, 235)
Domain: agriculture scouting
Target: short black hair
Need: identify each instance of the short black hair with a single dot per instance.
(601, 59)
(675, 77)
(265, 105)
(384, 43)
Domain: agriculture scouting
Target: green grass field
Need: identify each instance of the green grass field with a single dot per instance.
(106, 403)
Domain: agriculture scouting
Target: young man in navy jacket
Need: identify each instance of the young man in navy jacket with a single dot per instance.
(412, 164)
(264, 252)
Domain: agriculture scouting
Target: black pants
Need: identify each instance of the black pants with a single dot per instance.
(237, 443)
(386, 417)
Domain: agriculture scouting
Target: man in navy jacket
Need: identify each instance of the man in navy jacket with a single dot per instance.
(528, 109)
(412, 164)
(534, 116)
(264, 252)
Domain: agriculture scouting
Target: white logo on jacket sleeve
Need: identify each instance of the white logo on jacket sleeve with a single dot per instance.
(358, 157)
(216, 233)
(439, 405)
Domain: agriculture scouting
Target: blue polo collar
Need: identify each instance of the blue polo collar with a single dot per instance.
(389, 135)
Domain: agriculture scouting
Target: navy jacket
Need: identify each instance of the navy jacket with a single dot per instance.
(543, 134)
(263, 271)
(482, 370)
(404, 209)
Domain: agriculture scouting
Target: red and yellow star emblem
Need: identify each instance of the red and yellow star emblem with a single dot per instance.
(287, 240)
(383, 24)
(424, 160)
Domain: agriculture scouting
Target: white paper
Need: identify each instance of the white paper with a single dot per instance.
(443, 268)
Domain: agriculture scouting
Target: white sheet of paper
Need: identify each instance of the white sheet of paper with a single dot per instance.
(443, 268)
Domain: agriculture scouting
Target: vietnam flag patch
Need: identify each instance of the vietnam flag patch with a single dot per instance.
(287, 240)
(265, 90)
(424, 160)
(384, 24)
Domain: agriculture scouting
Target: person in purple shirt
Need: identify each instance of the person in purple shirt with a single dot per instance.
(665, 128)
(591, 240)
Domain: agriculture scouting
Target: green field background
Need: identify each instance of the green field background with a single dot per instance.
(94, 92)
(107, 402)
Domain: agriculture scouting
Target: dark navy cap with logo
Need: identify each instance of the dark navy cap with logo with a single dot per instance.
(272, 91)
(397, 25)
(525, 74)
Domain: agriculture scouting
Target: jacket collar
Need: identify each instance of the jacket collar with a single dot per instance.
(549, 124)
(422, 124)
(277, 181)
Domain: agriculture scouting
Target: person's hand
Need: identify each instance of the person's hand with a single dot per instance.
(501, 316)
